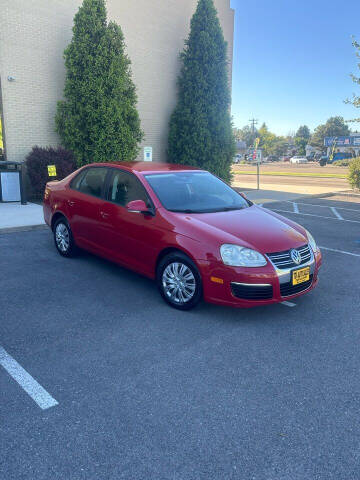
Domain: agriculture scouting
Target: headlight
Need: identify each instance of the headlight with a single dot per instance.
(237, 256)
(312, 242)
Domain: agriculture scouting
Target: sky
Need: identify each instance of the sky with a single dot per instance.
(293, 60)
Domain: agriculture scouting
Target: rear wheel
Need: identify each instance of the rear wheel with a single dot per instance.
(179, 281)
(64, 240)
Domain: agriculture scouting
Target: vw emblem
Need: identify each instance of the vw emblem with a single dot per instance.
(295, 256)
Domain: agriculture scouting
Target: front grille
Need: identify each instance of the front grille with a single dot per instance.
(287, 289)
(252, 292)
(283, 260)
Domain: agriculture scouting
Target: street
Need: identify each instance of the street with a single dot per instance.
(121, 386)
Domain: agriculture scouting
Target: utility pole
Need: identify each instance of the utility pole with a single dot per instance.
(256, 146)
(253, 122)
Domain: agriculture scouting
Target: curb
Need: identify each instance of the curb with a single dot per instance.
(345, 194)
(318, 195)
(27, 228)
(321, 195)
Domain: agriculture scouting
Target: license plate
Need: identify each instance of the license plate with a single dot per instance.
(301, 276)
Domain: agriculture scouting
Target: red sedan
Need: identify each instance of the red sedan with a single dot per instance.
(185, 228)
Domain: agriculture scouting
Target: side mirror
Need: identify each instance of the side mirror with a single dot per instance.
(137, 206)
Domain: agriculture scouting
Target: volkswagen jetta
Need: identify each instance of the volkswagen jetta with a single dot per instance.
(185, 228)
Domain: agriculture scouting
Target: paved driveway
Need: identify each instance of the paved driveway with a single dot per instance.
(120, 386)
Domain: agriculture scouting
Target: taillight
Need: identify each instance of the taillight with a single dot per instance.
(46, 193)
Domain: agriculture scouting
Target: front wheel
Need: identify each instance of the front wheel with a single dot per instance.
(179, 281)
(63, 238)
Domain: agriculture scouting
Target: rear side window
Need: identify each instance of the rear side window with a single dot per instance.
(91, 181)
(124, 188)
(75, 183)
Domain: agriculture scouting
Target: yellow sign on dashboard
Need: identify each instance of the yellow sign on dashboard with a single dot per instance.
(52, 170)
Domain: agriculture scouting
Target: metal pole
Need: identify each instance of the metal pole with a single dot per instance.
(258, 175)
(22, 185)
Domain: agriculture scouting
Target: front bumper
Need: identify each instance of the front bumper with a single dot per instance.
(272, 285)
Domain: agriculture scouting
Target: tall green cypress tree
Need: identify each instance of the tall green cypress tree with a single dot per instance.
(200, 127)
(98, 120)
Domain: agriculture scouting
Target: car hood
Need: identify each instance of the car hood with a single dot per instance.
(253, 227)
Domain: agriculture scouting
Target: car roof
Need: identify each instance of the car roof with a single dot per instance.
(147, 167)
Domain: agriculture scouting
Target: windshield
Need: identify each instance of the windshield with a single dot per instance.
(195, 192)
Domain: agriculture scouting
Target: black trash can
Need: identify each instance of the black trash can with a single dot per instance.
(12, 187)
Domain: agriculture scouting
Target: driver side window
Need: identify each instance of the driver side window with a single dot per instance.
(124, 187)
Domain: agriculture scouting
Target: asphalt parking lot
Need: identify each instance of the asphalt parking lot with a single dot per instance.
(120, 386)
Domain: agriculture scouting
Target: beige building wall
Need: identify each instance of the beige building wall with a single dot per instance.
(34, 34)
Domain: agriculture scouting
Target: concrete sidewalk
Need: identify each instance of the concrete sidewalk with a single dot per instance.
(14, 216)
(267, 196)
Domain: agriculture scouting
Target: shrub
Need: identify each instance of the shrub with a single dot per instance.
(354, 173)
(37, 162)
(342, 163)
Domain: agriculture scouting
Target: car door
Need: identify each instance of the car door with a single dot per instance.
(127, 235)
(85, 207)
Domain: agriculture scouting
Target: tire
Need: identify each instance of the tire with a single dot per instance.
(179, 281)
(63, 238)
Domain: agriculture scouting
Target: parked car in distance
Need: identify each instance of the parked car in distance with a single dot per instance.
(298, 159)
(285, 158)
(186, 229)
(271, 158)
(310, 157)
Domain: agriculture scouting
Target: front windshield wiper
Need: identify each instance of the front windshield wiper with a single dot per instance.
(229, 209)
(184, 211)
(213, 210)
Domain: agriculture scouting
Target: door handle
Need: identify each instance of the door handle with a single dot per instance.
(70, 203)
(104, 215)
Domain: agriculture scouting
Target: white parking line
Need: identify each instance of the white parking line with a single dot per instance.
(26, 381)
(296, 208)
(288, 304)
(336, 213)
(313, 215)
(340, 251)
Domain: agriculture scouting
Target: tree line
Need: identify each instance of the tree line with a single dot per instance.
(273, 144)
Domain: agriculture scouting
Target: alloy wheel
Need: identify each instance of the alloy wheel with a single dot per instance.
(179, 283)
(62, 237)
